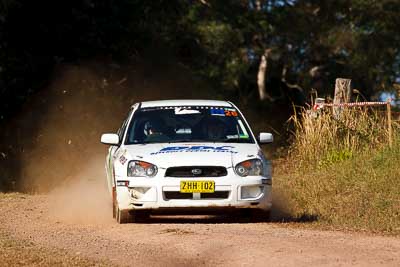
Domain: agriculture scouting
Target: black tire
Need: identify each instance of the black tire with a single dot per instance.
(131, 216)
(124, 216)
(114, 207)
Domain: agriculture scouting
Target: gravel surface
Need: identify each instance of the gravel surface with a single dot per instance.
(183, 241)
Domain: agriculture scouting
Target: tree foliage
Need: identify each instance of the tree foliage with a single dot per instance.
(311, 41)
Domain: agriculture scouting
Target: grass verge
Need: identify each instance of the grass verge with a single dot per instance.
(346, 179)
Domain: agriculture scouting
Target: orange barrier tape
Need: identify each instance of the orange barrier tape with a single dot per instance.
(355, 104)
(359, 104)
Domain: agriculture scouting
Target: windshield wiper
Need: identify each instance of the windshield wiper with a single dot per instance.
(235, 140)
(142, 143)
(187, 140)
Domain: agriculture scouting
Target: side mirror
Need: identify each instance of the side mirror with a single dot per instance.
(265, 138)
(110, 139)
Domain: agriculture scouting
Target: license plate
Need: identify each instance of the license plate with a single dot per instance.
(197, 187)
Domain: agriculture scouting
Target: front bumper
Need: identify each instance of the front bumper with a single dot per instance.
(231, 191)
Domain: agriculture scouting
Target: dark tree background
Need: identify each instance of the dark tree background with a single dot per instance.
(69, 69)
(306, 43)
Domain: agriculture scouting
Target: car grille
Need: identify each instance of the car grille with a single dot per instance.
(178, 195)
(215, 195)
(196, 171)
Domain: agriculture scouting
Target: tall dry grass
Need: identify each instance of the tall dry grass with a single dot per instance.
(322, 138)
(342, 171)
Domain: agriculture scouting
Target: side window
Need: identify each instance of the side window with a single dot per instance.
(121, 130)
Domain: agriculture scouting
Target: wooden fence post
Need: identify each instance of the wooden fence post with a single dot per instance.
(389, 119)
(342, 94)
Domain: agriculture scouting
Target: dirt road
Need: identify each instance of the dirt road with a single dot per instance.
(184, 241)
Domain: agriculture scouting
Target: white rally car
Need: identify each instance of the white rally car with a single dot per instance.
(186, 155)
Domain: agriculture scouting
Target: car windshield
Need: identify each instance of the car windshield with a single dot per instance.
(188, 124)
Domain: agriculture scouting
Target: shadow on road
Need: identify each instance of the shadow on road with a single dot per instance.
(228, 219)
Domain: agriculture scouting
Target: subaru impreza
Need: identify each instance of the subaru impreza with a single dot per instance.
(186, 156)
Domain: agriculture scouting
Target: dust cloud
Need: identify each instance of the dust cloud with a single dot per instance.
(83, 199)
(56, 138)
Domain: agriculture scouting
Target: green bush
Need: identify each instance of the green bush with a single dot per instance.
(335, 156)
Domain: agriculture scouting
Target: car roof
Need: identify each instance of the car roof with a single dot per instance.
(185, 102)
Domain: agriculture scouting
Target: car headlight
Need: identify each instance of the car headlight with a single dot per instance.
(252, 167)
(138, 168)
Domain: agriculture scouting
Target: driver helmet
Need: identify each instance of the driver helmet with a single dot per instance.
(153, 127)
(214, 128)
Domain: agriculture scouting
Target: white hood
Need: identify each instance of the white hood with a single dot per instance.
(184, 154)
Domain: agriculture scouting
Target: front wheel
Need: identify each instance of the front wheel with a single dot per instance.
(114, 204)
(130, 216)
(123, 216)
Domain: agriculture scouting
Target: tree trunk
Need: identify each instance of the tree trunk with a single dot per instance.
(258, 5)
(342, 94)
(262, 71)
